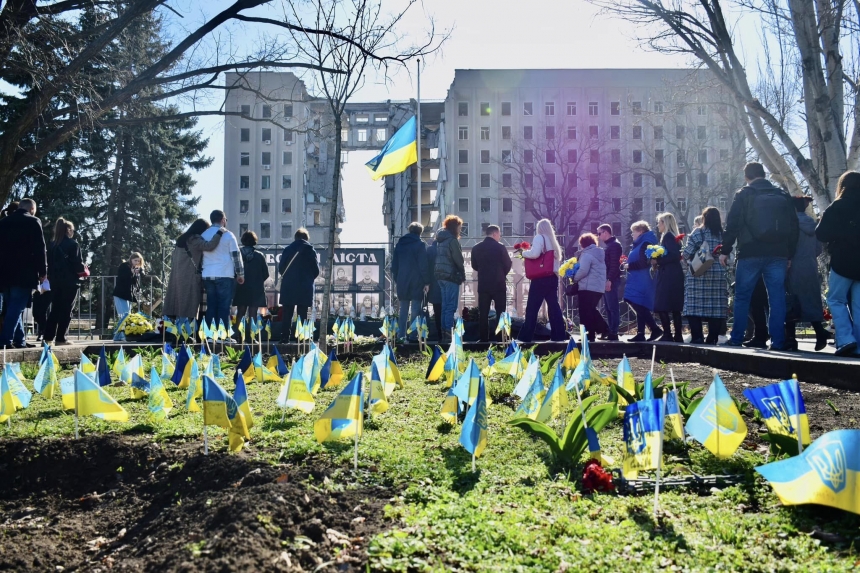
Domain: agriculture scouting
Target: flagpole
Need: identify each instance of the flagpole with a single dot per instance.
(474, 469)
(659, 456)
(717, 413)
(75, 374)
(653, 357)
(797, 413)
(418, 140)
(678, 400)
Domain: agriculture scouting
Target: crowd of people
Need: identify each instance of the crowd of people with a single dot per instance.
(775, 243)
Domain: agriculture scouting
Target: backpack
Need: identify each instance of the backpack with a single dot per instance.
(770, 215)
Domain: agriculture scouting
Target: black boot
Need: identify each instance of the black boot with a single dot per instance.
(821, 336)
(667, 327)
(791, 336)
(679, 327)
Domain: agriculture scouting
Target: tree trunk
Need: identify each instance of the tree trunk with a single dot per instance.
(332, 231)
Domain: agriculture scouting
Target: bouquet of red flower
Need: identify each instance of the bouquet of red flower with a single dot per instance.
(717, 249)
(827, 315)
(680, 237)
(622, 260)
(595, 478)
(520, 247)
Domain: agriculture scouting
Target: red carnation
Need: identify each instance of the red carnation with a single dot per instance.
(827, 315)
(525, 246)
(518, 246)
(623, 259)
(595, 478)
(717, 249)
(680, 237)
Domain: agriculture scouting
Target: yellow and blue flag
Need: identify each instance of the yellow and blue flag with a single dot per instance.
(512, 364)
(119, 363)
(377, 402)
(92, 399)
(240, 396)
(450, 407)
(473, 435)
(826, 473)
(511, 348)
(182, 371)
(335, 328)
(311, 370)
(268, 329)
(451, 368)
(220, 409)
(276, 363)
(13, 395)
(159, 403)
(381, 369)
(648, 387)
(571, 356)
(528, 378)
(263, 374)
(169, 326)
(132, 367)
(674, 424)
(246, 365)
(46, 379)
(716, 422)
(215, 364)
(504, 323)
(195, 389)
(466, 388)
(555, 401)
(241, 328)
(781, 405)
(331, 374)
(222, 330)
(594, 448)
(459, 329)
(167, 366)
(300, 329)
(295, 392)
(491, 359)
(344, 418)
(624, 378)
(139, 387)
(436, 367)
(87, 366)
(530, 407)
(643, 428)
(397, 154)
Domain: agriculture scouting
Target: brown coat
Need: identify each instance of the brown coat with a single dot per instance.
(185, 286)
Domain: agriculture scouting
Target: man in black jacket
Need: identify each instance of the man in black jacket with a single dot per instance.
(613, 277)
(298, 268)
(490, 259)
(763, 222)
(411, 275)
(23, 265)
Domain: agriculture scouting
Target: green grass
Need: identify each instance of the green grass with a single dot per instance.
(520, 511)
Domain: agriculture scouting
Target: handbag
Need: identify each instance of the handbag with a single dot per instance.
(572, 289)
(541, 267)
(702, 260)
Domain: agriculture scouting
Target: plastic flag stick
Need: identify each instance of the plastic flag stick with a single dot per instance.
(659, 457)
(678, 400)
(797, 413)
(205, 440)
(75, 374)
(653, 356)
(473, 463)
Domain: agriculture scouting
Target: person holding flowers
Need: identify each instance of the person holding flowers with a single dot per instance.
(669, 286)
(706, 297)
(639, 291)
(127, 289)
(543, 289)
(591, 278)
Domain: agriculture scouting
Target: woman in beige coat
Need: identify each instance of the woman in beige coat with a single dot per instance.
(185, 286)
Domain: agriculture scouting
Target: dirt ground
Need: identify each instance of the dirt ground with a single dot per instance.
(115, 503)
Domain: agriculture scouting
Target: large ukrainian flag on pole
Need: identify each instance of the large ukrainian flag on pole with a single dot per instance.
(399, 152)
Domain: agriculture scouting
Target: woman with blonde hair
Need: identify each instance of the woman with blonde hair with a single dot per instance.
(65, 263)
(639, 290)
(544, 289)
(127, 289)
(669, 284)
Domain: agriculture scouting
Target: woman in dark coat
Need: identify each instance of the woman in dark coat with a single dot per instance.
(639, 290)
(251, 295)
(64, 263)
(669, 285)
(804, 281)
(127, 289)
(185, 286)
(298, 268)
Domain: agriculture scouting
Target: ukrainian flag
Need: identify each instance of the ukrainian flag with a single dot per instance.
(46, 379)
(87, 366)
(169, 327)
(297, 394)
(7, 400)
(219, 409)
(194, 389)
(437, 365)
(716, 422)
(473, 436)
(780, 405)
(132, 367)
(511, 348)
(826, 473)
(490, 361)
(119, 363)
(344, 418)
(262, 373)
(571, 356)
(333, 371)
(276, 363)
(555, 401)
(300, 330)
(92, 400)
(531, 404)
(399, 152)
(241, 328)
(335, 328)
(311, 371)
(167, 366)
(624, 378)
(594, 448)
(525, 383)
(182, 371)
(643, 428)
(674, 423)
(240, 396)
(139, 388)
(450, 407)
(648, 388)
(377, 403)
(246, 365)
(222, 330)
(466, 388)
(159, 403)
(381, 369)
(512, 364)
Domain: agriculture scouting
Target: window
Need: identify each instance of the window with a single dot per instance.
(266, 158)
(265, 230)
(484, 229)
(528, 156)
(245, 134)
(506, 108)
(550, 132)
(594, 204)
(507, 229)
(614, 108)
(658, 132)
(463, 109)
(549, 108)
(245, 110)
(463, 180)
(529, 181)
(361, 135)
(507, 205)
(679, 131)
(528, 132)
(286, 205)
(286, 231)
(462, 156)
(703, 179)
(593, 179)
(344, 135)
(638, 205)
(658, 156)
(485, 204)
(264, 205)
(464, 230)
(571, 205)
(244, 158)
(527, 108)
(485, 108)
(616, 229)
(362, 119)
(572, 180)
(681, 158)
(571, 108)
(615, 132)
(593, 132)
(571, 156)
(485, 134)
(507, 180)
(616, 180)
(724, 133)
(701, 132)
(658, 107)
(287, 157)
(506, 132)
(592, 108)
(463, 133)
(615, 156)
(724, 154)
(616, 204)
(550, 180)
(243, 228)
(724, 178)
(681, 203)
(571, 132)
(507, 156)
(681, 180)
(637, 180)
(721, 203)
(244, 181)
(659, 180)
(528, 229)
(485, 156)
(659, 205)
(550, 205)
(637, 156)
(701, 110)
(594, 156)
(703, 156)
(381, 134)
(550, 156)
(266, 182)
(529, 204)
(636, 107)
(286, 182)
(637, 132)
(485, 180)
(266, 133)
(288, 110)
(463, 205)
(243, 206)
(267, 111)
(680, 109)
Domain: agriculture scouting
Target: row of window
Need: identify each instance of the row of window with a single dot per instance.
(616, 204)
(265, 135)
(266, 182)
(265, 158)
(594, 180)
(593, 132)
(615, 107)
(266, 111)
(265, 230)
(550, 156)
(265, 205)
(363, 135)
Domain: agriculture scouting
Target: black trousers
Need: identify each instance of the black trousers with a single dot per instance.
(41, 307)
(643, 318)
(698, 334)
(437, 318)
(589, 316)
(498, 298)
(60, 316)
(758, 311)
(288, 332)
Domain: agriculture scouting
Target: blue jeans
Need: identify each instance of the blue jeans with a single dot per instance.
(613, 313)
(772, 270)
(219, 299)
(450, 296)
(404, 319)
(123, 307)
(846, 318)
(15, 302)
